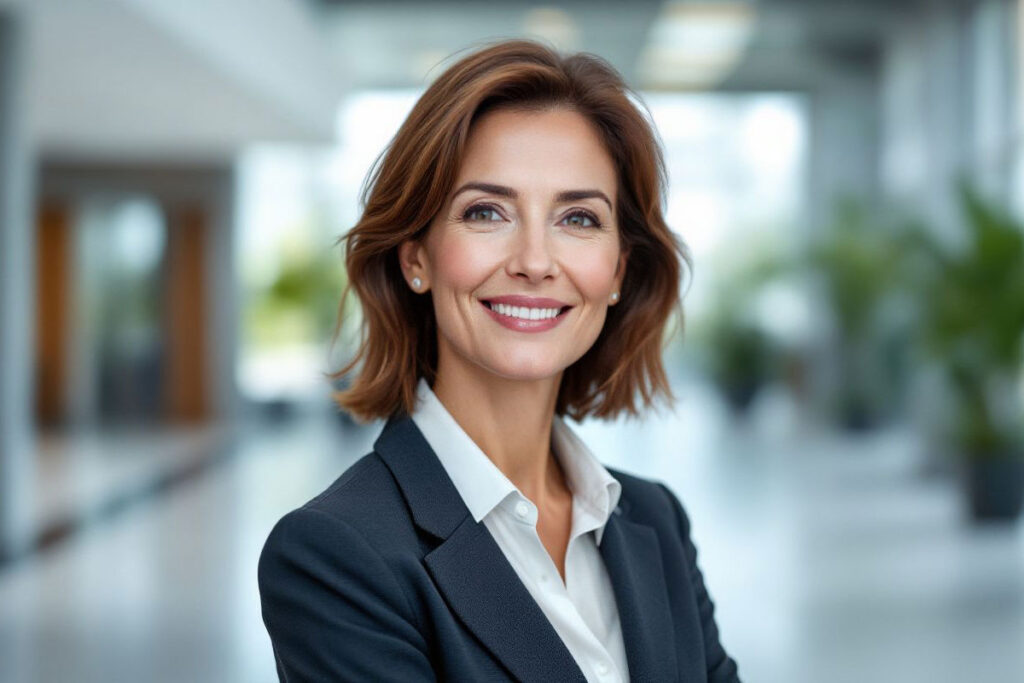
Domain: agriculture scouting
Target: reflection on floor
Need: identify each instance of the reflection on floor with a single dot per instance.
(82, 475)
(830, 558)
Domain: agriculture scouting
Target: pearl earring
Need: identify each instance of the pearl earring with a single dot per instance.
(416, 283)
(615, 297)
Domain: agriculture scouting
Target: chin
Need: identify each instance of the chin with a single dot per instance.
(525, 369)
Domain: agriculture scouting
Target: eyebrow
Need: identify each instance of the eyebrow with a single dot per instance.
(565, 196)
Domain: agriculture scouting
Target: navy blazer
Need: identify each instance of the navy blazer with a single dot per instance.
(385, 576)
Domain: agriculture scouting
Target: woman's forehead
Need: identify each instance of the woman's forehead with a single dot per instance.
(548, 151)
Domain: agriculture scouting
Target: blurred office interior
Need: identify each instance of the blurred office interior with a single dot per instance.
(849, 434)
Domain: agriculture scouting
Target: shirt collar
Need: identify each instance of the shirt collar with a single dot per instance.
(594, 489)
(483, 486)
(478, 480)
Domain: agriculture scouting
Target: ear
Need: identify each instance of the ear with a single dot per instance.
(412, 257)
(620, 272)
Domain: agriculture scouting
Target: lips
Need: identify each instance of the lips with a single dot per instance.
(525, 313)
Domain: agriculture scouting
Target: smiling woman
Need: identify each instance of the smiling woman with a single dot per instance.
(514, 268)
(415, 183)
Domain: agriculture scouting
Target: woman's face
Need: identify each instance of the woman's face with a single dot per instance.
(523, 260)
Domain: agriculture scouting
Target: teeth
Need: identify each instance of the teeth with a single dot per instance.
(524, 312)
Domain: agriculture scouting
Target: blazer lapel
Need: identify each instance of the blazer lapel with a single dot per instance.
(486, 593)
(632, 556)
(481, 587)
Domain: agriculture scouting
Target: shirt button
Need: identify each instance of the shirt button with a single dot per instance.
(544, 578)
(522, 509)
(602, 668)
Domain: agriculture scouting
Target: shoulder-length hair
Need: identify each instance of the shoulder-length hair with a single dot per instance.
(410, 183)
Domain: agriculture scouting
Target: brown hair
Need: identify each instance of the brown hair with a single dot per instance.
(410, 183)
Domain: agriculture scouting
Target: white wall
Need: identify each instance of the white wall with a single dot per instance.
(949, 105)
(191, 81)
(843, 147)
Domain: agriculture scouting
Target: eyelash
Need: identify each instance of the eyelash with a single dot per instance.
(577, 212)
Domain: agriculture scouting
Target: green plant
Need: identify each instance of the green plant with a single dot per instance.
(973, 324)
(738, 354)
(741, 360)
(858, 267)
(301, 304)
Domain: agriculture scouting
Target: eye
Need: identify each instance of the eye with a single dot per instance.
(481, 212)
(582, 219)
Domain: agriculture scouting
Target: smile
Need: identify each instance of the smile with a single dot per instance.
(517, 313)
(524, 312)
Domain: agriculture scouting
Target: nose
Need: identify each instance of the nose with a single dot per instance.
(532, 255)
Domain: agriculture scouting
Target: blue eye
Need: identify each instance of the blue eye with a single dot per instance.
(582, 219)
(474, 212)
(485, 213)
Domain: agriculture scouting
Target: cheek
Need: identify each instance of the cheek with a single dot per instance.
(463, 262)
(594, 271)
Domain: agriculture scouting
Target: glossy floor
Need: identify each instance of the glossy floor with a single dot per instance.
(831, 558)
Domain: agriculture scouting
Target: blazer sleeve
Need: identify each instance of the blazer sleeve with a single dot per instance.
(721, 667)
(333, 608)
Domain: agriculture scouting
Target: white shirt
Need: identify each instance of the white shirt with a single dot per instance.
(582, 610)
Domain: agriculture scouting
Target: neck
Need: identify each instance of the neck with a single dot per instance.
(510, 420)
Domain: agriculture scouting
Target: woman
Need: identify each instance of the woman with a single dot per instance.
(514, 267)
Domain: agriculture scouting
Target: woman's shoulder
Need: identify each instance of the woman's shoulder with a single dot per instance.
(363, 507)
(334, 581)
(365, 481)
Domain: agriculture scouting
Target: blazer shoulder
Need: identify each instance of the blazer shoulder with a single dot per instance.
(333, 595)
(650, 501)
(366, 480)
(364, 499)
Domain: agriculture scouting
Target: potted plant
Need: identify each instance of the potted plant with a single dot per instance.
(857, 268)
(738, 354)
(973, 324)
(740, 360)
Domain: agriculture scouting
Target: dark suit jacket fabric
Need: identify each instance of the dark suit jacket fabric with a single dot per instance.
(385, 576)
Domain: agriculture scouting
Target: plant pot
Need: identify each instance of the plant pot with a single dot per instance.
(995, 488)
(856, 415)
(740, 394)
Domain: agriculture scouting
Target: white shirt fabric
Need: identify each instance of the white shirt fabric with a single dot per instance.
(582, 610)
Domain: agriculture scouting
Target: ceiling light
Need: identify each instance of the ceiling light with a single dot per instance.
(696, 44)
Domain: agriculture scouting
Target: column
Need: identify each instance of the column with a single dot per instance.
(17, 269)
